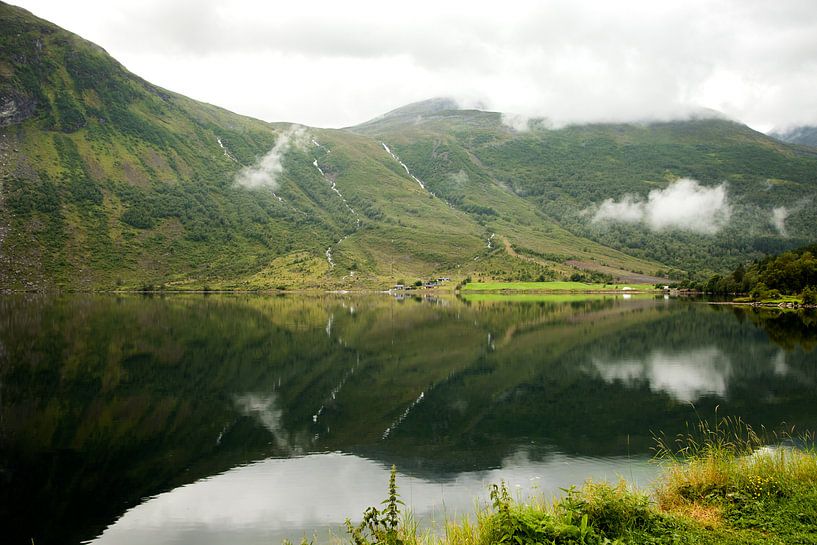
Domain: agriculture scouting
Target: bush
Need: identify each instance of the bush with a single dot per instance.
(137, 217)
(518, 524)
(728, 463)
(809, 295)
(759, 292)
(84, 190)
(27, 196)
(613, 510)
(70, 113)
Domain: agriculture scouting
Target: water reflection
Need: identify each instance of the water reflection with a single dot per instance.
(265, 409)
(246, 505)
(686, 376)
(106, 401)
(690, 375)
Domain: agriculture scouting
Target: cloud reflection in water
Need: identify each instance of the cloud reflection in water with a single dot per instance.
(686, 376)
(273, 499)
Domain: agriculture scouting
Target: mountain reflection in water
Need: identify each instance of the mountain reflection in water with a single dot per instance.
(109, 400)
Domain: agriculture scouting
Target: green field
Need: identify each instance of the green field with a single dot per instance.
(548, 297)
(479, 297)
(552, 286)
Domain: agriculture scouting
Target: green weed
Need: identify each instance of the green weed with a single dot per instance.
(380, 527)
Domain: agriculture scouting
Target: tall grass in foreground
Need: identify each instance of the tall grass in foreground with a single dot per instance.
(722, 483)
(716, 469)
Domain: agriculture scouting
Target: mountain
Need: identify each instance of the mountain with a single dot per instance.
(805, 135)
(564, 174)
(110, 181)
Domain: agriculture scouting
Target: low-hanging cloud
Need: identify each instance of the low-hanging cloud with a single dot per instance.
(267, 170)
(517, 122)
(685, 205)
(567, 61)
(779, 216)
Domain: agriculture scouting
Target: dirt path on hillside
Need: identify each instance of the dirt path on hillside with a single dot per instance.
(513, 253)
(619, 275)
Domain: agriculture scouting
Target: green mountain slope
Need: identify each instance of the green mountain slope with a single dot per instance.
(110, 181)
(562, 174)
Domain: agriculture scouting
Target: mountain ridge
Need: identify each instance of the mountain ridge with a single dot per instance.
(566, 173)
(805, 135)
(109, 181)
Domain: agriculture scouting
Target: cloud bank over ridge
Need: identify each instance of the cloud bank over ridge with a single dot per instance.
(569, 62)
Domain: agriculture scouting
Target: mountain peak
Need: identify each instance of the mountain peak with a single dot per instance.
(428, 106)
(422, 109)
(805, 135)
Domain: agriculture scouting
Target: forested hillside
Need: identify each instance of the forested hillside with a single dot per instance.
(567, 173)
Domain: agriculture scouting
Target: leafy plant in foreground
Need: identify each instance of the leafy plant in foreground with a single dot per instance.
(380, 527)
(514, 523)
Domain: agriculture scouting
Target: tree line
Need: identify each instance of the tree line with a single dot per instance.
(789, 273)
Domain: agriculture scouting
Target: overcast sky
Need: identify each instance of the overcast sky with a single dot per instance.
(333, 64)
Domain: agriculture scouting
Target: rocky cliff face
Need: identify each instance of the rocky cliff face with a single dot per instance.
(15, 108)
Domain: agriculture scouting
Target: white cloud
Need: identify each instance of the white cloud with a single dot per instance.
(517, 122)
(628, 210)
(684, 205)
(265, 172)
(337, 64)
(779, 216)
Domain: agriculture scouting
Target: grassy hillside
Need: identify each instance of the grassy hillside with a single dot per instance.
(107, 181)
(550, 180)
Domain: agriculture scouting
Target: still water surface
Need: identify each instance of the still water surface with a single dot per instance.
(249, 419)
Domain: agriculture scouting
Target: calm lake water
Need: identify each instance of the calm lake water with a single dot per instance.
(248, 419)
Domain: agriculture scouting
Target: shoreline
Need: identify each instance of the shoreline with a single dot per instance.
(731, 487)
(756, 304)
(563, 292)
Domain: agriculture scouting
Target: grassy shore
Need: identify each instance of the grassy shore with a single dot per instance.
(531, 297)
(557, 287)
(720, 485)
(794, 299)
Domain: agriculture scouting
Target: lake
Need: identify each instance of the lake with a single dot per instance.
(247, 419)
